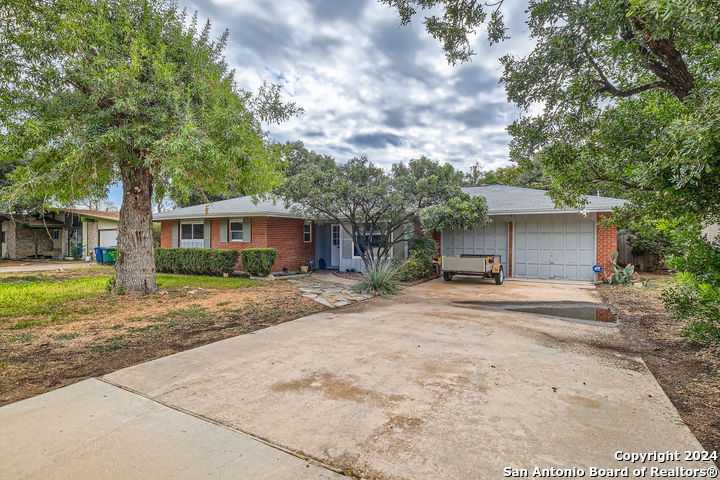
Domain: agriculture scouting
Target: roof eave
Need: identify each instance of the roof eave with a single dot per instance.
(549, 210)
(159, 218)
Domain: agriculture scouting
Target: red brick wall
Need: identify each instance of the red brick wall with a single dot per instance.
(166, 233)
(605, 243)
(284, 234)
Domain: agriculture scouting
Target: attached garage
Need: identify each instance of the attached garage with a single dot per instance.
(560, 247)
(535, 239)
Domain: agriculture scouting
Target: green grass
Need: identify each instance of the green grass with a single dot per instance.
(43, 297)
(26, 279)
(109, 346)
(40, 297)
(20, 338)
(173, 282)
(65, 336)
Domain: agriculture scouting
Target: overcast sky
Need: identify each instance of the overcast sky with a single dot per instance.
(368, 85)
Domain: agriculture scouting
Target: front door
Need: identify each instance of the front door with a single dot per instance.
(335, 245)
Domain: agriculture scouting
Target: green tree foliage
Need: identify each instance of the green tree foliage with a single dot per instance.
(376, 207)
(529, 175)
(697, 294)
(95, 92)
(457, 213)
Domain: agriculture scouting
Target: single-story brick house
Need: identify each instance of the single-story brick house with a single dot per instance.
(534, 239)
(57, 233)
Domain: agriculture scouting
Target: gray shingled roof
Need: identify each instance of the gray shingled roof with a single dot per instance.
(501, 200)
(234, 207)
(505, 200)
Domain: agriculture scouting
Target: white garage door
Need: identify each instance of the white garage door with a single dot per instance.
(489, 240)
(559, 248)
(108, 238)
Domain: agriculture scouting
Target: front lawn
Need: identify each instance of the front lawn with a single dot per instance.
(57, 328)
(42, 294)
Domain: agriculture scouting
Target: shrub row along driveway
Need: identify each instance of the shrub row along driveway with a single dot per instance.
(423, 385)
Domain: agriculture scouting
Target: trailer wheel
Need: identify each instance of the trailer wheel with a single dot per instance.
(447, 276)
(499, 277)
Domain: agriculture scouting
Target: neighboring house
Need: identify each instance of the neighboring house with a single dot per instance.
(96, 228)
(57, 233)
(535, 239)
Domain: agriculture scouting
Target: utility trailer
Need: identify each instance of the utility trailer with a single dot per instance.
(486, 266)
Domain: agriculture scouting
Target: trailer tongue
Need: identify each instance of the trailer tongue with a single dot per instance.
(486, 266)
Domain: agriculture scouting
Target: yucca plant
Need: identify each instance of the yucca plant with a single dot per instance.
(382, 278)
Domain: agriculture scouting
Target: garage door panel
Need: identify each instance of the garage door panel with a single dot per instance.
(490, 240)
(108, 238)
(562, 248)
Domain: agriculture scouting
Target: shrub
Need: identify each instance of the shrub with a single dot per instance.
(422, 245)
(195, 261)
(382, 278)
(258, 261)
(696, 295)
(416, 268)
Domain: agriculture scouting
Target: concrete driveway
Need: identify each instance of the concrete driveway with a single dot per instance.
(428, 384)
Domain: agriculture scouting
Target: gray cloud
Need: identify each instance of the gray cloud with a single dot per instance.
(375, 140)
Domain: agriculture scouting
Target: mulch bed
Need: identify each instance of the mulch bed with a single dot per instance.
(689, 375)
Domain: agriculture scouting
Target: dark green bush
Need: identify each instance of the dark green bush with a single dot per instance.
(422, 245)
(195, 261)
(258, 261)
(417, 267)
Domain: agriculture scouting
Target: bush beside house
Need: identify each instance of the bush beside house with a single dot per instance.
(195, 261)
(258, 261)
(420, 264)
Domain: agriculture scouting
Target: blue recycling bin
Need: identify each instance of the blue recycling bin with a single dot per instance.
(99, 254)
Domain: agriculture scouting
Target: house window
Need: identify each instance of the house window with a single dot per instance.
(192, 235)
(336, 235)
(307, 232)
(192, 231)
(236, 231)
(375, 242)
(55, 234)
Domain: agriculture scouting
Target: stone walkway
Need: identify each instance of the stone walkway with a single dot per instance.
(329, 290)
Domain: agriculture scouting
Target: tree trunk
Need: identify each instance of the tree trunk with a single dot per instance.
(135, 267)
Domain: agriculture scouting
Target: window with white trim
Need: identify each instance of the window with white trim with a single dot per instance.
(375, 242)
(236, 230)
(307, 232)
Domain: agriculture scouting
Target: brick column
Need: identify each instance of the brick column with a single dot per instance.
(605, 243)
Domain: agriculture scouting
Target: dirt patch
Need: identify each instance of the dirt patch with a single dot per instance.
(333, 387)
(689, 375)
(38, 359)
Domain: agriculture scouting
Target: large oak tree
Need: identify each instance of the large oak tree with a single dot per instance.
(96, 92)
